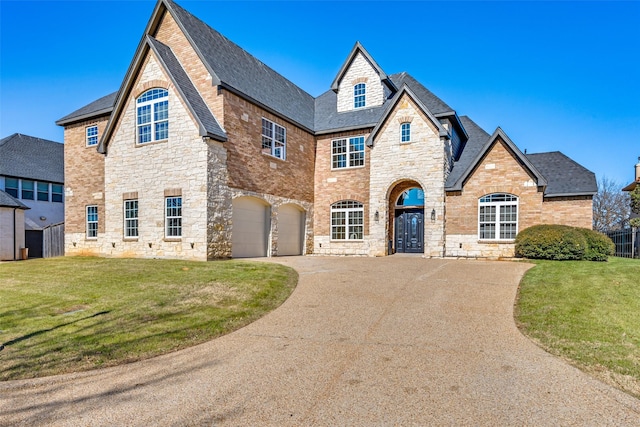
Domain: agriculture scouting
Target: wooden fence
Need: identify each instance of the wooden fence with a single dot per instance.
(53, 240)
(627, 242)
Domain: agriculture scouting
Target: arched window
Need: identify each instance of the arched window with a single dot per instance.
(412, 197)
(498, 217)
(347, 220)
(405, 132)
(153, 115)
(359, 95)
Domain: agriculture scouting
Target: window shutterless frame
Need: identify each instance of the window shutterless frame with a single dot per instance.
(91, 135)
(152, 114)
(347, 220)
(347, 152)
(173, 217)
(274, 139)
(92, 222)
(405, 132)
(359, 95)
(130, 218)
(498, 217)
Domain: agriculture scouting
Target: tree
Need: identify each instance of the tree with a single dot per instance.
(611, 206)
(635, 206)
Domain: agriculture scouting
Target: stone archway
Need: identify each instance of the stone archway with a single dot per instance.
(406, 217)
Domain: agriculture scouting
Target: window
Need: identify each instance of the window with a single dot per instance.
(11, 186)
(274, 139)
(347, 153)
(498, 217)
(131, 218)
(359, 95)
(173, 217)
(347, 220)
(92, 222)
(27, 189)
(92, 135)
(56, 193)
(405, 132)
(43, 191)
(153, 116)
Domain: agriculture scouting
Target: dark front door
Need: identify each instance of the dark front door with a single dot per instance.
(410, 231)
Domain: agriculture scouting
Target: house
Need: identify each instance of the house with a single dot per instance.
(11, 227)
(205, 152)
(32, 173)
(636, 181)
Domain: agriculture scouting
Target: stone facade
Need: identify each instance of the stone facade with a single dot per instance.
(360, 71)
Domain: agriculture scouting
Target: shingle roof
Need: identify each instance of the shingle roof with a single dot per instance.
(8, 201)
(477, 138)
(564, 176)
(100, 106)
(238, 70)
(23, 156)
(208, 124)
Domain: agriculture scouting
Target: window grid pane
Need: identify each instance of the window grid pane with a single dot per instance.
(274, 139)
(153, 117)
(359, 95)
(92, 135)
(92, 222)
(27, 189)
(405, 132)
(43, 191)
(11, 186)
(131, 218)
(173, 217)
(56, 193)
(498, 217)
(347, 220)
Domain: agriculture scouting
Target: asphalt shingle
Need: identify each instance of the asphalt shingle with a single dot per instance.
(28, 157)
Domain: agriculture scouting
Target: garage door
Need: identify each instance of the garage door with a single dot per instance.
(290, 230)
(250, 228)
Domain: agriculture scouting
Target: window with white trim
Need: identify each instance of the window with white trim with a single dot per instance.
(347, 152)
(274, 139)
(173, 217)
(347, 220)
(131, 218)
(359, 95)
(27, 189)
(43, 191)
(153, 115)
(405, 132)
(92, 222)
(57, 191)
(11, 186)
(498, 217)
(92, 135)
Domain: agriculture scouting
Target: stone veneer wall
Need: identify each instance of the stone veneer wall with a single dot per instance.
(498, 172)
(331, 186)
(84, 185)
(360, 71)
(178, 165)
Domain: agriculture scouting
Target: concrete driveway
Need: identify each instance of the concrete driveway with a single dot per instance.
(362, 341)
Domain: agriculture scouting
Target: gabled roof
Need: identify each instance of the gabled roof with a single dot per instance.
(358, 48)
(207, 123)
(404, 90)
(8, 201)
(102, 106)
(522, 159)
(564, 176)
(239, 71)
(23, 156)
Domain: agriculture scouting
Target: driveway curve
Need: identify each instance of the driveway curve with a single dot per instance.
(361, 341)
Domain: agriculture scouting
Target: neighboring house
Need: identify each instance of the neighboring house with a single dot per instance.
(632, 186)
(11, 227)
(32, 171)
(205, 152)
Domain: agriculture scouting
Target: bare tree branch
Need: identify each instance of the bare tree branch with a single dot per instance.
(611, 206)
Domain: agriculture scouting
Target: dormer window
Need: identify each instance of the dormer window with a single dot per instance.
(153, 115)
(405, 132)
(359, 95)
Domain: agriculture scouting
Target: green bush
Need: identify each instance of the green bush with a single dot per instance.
(562, 242)
(556, 242)
(599, 246)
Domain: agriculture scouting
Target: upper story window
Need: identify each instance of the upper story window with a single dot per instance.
(405, 132)
(92, 222)
(347, 153)
(43, 191)
(347, 220)
(11, 186)
(153, 115)
(27, 189)
(359, 95)
(498, 217)
(92, 135)
(274, 139)
(56, 193)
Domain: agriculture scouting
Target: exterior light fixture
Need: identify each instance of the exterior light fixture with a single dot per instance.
(192, 245)
(113, 244)
(376, 216)
(150, 244)
(433, 214)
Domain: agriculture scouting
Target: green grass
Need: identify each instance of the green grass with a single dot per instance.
(587, 313)
(71, 314)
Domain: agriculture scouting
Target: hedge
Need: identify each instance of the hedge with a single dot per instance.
(562, 242)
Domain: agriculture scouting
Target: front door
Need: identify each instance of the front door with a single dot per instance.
(410, 231)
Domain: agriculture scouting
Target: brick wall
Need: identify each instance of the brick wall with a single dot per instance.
(84, 185)
(575, 211)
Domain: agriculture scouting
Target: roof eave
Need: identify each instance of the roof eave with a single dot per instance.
(581, 193)
(80, 118)
(345, 129)
(631, 186)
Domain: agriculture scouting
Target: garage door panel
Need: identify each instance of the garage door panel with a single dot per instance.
(290, 230)
(250, 228)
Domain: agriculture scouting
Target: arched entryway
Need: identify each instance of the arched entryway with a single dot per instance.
(407, 218)
(251, 224)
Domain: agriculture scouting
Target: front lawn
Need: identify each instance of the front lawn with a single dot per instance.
(71, 314)
(588, 313)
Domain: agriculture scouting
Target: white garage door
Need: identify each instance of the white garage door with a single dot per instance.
(250, 228)
(290, 226)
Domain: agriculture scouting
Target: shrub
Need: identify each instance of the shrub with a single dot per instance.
(556, 242)
(599, 246)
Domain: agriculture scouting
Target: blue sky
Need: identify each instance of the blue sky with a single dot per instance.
(554, 75)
